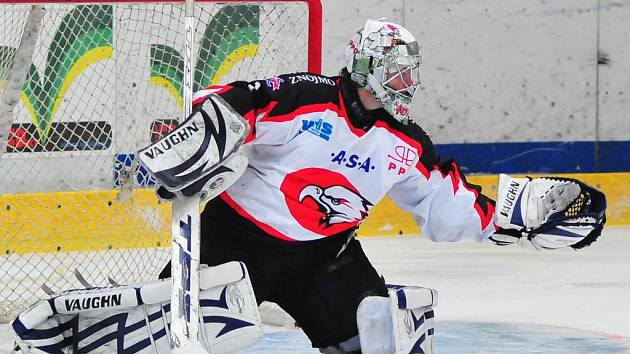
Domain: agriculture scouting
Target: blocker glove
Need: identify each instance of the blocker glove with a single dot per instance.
(202, 156)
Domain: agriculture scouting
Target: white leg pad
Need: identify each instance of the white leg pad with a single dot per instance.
(400, 323)
(229, 318)
(412, 318)
(374, 320)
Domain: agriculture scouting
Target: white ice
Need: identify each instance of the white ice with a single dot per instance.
(485, 290)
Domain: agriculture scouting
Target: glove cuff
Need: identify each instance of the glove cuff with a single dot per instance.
(512, 197)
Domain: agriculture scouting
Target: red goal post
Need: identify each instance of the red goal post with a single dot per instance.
(84, 84)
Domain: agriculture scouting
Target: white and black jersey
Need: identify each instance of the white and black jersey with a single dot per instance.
(319, 162)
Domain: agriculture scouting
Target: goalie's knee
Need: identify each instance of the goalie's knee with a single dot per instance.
(402, 322)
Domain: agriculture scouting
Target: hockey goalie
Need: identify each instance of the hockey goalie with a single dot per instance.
(317, 154)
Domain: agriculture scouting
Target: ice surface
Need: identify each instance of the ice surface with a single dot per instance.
(503, 299)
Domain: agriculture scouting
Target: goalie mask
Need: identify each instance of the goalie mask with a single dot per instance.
(384, 58)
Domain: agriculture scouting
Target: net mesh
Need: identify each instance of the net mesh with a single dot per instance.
(577, 206)
(103, 81)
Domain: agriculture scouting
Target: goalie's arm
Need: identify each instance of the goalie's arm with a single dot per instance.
(203, 154)
(444, 204)
(272, 107)
(548, 212)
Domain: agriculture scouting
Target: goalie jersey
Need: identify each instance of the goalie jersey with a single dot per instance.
(319, 162)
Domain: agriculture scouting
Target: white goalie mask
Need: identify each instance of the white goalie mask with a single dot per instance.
(384, 58)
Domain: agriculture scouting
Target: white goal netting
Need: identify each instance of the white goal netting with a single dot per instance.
(98, 82)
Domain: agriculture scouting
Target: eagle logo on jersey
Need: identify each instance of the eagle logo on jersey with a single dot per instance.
(324, 201)
(338, 203)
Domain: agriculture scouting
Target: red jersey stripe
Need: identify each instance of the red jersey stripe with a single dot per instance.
(265, 227)
(311, 108)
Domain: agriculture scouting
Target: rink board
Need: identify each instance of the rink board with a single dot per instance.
(40, 222)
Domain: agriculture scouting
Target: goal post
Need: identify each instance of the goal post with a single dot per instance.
(105, 78)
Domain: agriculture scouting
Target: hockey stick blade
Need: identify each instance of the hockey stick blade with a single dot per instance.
(81, 279)
(112, 281)
(45, 288)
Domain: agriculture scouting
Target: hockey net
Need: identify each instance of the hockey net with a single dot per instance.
(97, 82)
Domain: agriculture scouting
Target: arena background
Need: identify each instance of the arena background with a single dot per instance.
(520, 87)
(508, 86)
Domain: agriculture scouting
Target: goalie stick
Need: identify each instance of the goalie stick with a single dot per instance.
(198, 161)
(202, 160)
(186, 233)
(185, 269)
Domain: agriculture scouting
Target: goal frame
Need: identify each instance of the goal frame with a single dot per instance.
(313, 34)
(314, 20)
(314, 55)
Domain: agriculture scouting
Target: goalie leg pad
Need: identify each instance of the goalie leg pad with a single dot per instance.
(94, 319)
(400, 323)
(135, 318)
(374, 320)
(231, 321)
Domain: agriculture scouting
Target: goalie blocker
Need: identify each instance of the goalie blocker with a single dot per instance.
(202, 155)
(135, 319)
(548, 212)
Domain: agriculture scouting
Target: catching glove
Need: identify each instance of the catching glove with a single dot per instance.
(548, 212)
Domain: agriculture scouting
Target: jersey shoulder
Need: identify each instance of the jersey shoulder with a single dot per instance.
(299, 91)
(281, 94)
(413, 132)
(309, 87)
